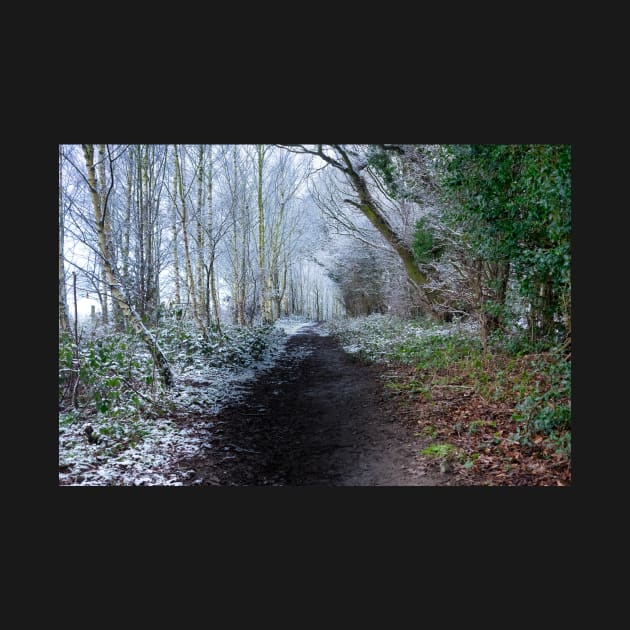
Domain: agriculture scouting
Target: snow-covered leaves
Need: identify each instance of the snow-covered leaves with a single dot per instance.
(141, 444)
(384, 338)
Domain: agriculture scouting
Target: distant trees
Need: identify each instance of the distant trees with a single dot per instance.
(138, 216)
(352, 161)
(360, 276)
(254, 232)
(206, 232)
(181, 201)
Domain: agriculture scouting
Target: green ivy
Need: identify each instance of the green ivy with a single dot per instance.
(513, 203)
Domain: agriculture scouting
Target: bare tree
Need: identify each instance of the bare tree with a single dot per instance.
(100, 207)
(64, 320)
(265, 304)
(183, 213)
(216, 227)
(352, 163)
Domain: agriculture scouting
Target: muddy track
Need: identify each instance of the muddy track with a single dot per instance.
(318, 418)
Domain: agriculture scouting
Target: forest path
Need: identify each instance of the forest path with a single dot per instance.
(318, 417)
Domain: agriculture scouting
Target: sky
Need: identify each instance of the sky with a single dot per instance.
(84, 306)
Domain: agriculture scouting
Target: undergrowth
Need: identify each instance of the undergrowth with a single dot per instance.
(526, 389)
(110, 376)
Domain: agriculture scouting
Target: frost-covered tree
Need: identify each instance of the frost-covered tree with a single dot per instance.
(64, 319)
(352, 162)
(100, 206)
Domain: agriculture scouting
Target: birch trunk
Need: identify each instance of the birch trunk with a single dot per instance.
(64, 319)
(103, 294)
(184, 223)
(178, 296)
(202, 293)
(126, 240)
(263, 275)
(216, 319)
(243, 266)
(150, 295)
(100, 216)
(239, 235)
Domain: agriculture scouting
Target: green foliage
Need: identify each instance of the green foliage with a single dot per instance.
(412, 388)
(428, 431)
(66, 363)
(513, 202)
(116, 373)
(547, 409)
(561, 442)
(536, 384)
(111, 367)
(419, 341)
(516, 343)
(66, 350)
(440, 451)
(382, 162)
(513, 395)
(476, 425)
(185, 346)
(68, 418)
(435, 352)
(424, 247)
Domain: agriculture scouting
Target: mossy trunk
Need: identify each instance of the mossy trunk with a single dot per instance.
(369, 207)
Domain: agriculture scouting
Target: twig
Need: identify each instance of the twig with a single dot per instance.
(240, 449)
(558, 464)
(129, 383)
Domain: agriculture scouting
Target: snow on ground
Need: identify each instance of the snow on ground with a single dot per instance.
(375, 336)
(294, 325)
(146, 451)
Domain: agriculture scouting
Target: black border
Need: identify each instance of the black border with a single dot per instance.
(301, 516)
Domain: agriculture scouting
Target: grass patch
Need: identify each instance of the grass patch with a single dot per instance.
(440, 451)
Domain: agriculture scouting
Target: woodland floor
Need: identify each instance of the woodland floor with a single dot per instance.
(319, 417)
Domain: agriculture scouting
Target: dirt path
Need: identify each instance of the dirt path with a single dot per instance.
(317, 418)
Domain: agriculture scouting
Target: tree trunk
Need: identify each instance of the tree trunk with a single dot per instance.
(242, 320)
(370, 209)
(480, 306)
(264, 281)
(216, 315)
(126, 240)
(178, 296)
(189, 271)
(202, 296)
(238, 308)
(150, 295)
(100, 215)
(64, 319)
(275, 288)
(102, 193)
(498, 273)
